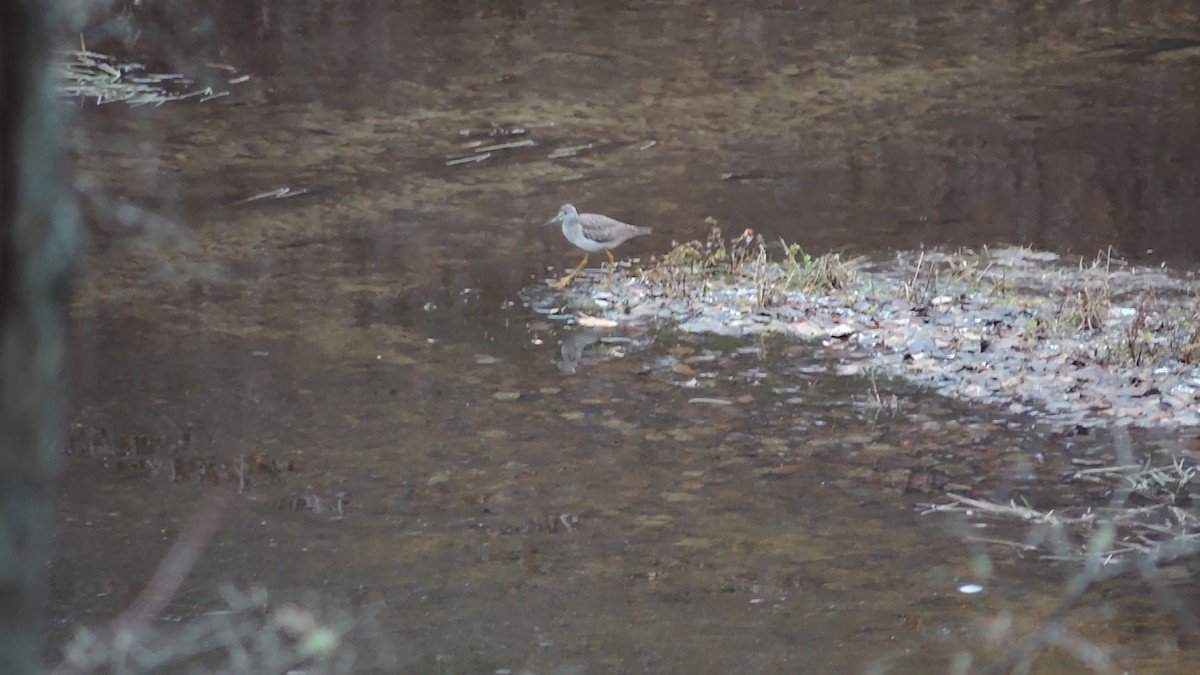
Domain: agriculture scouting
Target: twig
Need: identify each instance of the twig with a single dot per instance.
(173, 569)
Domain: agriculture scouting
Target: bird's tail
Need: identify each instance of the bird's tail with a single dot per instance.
(643, 231)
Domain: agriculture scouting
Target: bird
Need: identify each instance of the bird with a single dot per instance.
(593, 232)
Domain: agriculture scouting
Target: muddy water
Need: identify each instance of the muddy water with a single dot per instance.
(410, 437)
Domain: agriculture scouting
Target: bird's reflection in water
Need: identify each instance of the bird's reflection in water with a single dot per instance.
(575, 344)
(572, 349)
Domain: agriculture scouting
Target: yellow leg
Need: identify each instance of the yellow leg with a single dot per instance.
(612, 266)
(566, 281)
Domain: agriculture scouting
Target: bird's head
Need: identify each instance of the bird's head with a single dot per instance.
(567, 211)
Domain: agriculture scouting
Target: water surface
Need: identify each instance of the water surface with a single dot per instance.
(406, 431)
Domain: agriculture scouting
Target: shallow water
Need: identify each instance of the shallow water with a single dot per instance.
(409, 435)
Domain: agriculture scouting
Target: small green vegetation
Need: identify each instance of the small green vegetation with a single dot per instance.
(923, 285)
(695, 267)
(1157, 331)
(1115, 314)
(1184, 341)
(818, 274)
(1087, 305)
(1086, 308)
(1100, 310)
(951, 274)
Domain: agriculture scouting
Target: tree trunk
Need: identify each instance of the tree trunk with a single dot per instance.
(38, 240)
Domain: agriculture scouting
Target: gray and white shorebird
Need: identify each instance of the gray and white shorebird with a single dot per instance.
(593, 232)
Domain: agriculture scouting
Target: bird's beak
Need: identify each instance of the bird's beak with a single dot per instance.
(551, 221)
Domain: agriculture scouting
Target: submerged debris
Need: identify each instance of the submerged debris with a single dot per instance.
(481, 146)
(103, 79)
(278, 193)
(1148, 509)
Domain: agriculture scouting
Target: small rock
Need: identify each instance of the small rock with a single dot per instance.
(849, 369)
(842, 331)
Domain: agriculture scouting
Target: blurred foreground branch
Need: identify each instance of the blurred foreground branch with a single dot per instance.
(38, 241)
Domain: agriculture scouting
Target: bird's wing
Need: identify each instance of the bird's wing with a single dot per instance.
(602, 228)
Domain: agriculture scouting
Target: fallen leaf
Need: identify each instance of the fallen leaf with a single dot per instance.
(676, 497)
(658, 520)
(683, 369)
(595, 322)
(807, 329)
